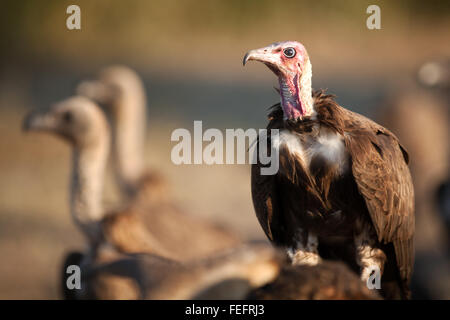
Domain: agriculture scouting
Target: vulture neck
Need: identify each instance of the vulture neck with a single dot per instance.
(296, 94)
(129, 140)
(88, 170)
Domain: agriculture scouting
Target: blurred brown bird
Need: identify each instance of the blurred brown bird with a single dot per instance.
(230, 274)
(120, 91)
(81, 122)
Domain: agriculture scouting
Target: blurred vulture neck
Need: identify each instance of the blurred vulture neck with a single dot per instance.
(87, 187)
(129, 139)
(296, 94)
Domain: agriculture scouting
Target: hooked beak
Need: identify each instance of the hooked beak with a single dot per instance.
(266, 56)
(257, 55)
(38, 122)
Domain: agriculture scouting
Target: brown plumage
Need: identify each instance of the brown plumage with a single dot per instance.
(377, 193)
(126, 231)
(343, 189)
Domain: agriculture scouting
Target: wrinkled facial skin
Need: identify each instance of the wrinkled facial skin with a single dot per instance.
(275, 58)
(290, 62)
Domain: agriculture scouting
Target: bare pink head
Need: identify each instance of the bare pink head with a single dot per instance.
(290, 62)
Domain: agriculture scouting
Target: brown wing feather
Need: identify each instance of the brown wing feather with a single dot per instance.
(379, 166)
(264, 199)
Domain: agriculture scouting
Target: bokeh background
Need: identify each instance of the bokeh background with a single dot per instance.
(189, 55)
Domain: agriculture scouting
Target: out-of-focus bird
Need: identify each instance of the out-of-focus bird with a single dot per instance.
(343, 189)
(230, 274)
(120, 91)
(80, 122)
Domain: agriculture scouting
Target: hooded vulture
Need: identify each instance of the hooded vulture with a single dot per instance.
(343, 190)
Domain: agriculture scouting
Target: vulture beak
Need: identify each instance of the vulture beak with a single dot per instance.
(246, 58)
(266, 56)
(38, 122)
(263, 55)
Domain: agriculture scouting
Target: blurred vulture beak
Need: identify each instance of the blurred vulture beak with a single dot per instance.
(38, 122)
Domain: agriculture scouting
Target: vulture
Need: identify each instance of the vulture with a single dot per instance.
(120, 91)
(122, 255)
(81, 122)
(83, 125)
(343, 190)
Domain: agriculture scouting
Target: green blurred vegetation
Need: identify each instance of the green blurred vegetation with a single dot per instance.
(150, 33)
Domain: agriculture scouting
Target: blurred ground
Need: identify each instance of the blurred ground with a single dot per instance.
(189, 54)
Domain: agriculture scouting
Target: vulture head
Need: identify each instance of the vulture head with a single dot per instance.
(113, 87)
(290, 63)
(76, 119)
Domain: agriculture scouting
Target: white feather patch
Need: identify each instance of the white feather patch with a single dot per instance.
(326, 144)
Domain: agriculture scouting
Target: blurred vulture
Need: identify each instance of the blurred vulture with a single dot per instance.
(343, 189)
(120, 91)
(83, 125)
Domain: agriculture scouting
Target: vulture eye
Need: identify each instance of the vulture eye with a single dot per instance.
(67, 117)
(289, 52)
